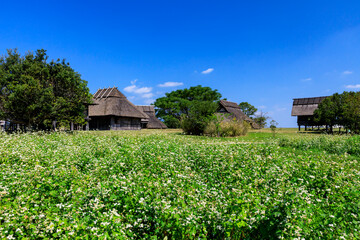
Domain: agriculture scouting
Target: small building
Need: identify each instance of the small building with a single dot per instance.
(234, 111)
(303, 109)
(111, 110)
(152, 122)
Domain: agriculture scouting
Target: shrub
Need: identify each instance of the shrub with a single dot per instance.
(196, 120)
(226, 128)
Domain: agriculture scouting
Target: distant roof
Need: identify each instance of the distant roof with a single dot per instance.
(111, 102)
(235, 110)
(305, 106)
(153, 121)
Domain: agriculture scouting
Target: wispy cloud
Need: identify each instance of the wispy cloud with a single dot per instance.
(347, 72)
(353, 86)
(207, 71)
(261, 107)
(149, 101)
(171, 84)
(144, 92)
(306, 79)
(147, 95)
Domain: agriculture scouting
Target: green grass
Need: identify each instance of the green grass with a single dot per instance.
(154, 184)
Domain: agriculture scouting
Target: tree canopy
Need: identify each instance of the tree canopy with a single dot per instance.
(187, 102)
(340, 109)
(261, 119)
(248, 109)
(35, 92)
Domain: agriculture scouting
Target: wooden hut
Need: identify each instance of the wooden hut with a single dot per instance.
(303, 109)
(112, 111)
(152, 122)
(234, 111)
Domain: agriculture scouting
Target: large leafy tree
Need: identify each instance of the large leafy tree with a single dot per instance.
(195, 122)
(351, 111)
(35, 92)
(248, 109)
(181, 102)
(330, 111)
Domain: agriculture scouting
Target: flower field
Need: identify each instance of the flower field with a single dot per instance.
(164, 185)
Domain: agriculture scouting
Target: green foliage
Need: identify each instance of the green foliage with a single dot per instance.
(351, 111)
(340, 109)
(273, 125)
(248, 109)
(335, 145)
(140, 185)
(219, 127)
(35, 93)
(330, 110)
(197, 118)
(261, 119)
(177, 103)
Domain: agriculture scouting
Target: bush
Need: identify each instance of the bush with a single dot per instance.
(198, 117)
(226, 128)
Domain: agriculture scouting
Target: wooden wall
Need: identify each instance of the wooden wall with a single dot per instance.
(114, 123)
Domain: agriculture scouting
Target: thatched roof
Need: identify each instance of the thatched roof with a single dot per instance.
(305, 106)
(111, 102)
(153, 121)
(235, 111)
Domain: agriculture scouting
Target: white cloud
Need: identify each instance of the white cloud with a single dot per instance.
(130, 88)
(261, 107)
(207, 71)
(149, 101)
(171, 84)
(143, 92)
(147, 95)
(347, 72)
(306, 79)
(135, 89)
(353, 86)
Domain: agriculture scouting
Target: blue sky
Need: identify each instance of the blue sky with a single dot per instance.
(262, 52)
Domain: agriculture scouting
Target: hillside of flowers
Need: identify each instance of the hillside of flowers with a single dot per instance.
(164, 185)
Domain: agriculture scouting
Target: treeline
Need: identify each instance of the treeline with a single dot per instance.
(340, 110)
(35, 93)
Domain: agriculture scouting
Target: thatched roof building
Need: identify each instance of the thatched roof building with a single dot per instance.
(113, 111)
(304, 109)
(152, 122)
(234, 110)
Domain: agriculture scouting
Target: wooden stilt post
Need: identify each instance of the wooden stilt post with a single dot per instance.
(54, 125)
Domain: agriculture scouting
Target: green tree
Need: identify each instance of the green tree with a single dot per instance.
(273, 127)
(178, 103)
(351, 111)
(261, 119)
(198, 117)
(248, 109)
(330, 111)
(35, 92)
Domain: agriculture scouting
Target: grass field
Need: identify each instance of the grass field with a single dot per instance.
(165, 185)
